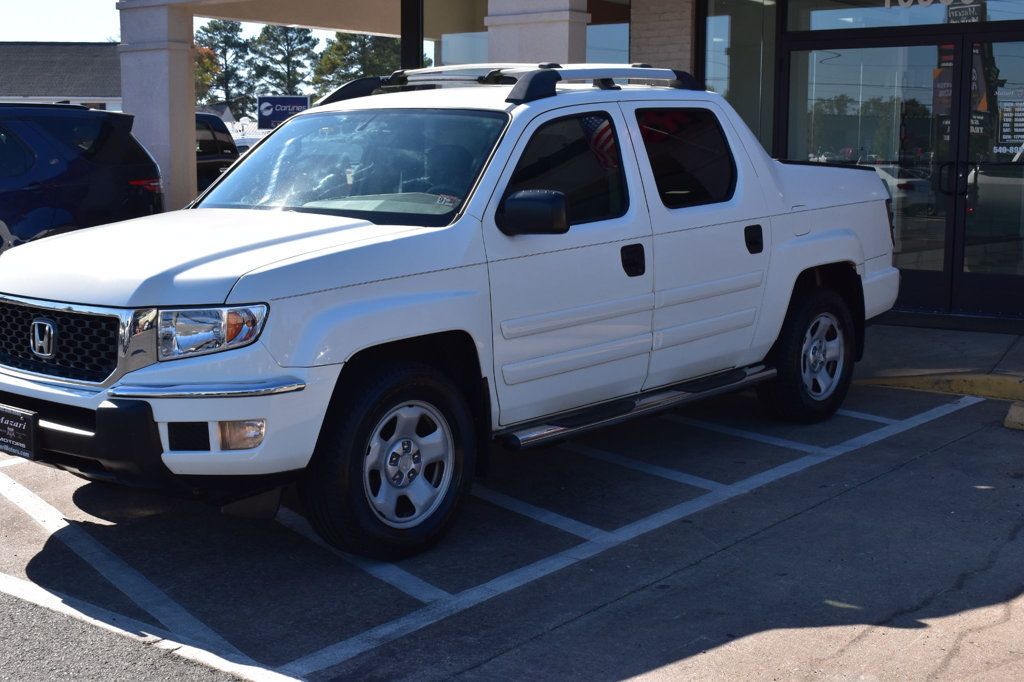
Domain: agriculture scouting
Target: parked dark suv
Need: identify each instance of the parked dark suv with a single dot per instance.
(65, 167)
(215, 149)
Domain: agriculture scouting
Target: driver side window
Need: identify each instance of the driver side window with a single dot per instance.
(579, 156)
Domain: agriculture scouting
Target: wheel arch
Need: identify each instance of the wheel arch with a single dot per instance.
(453, 352)
(842, 278)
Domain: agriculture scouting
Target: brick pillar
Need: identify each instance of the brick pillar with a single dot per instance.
(661, 33)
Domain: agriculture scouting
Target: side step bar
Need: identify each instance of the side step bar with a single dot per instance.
(662, 399)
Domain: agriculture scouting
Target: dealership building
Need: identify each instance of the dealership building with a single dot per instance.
(928, 92)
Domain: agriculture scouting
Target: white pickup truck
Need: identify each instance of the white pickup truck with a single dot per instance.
(429, 261)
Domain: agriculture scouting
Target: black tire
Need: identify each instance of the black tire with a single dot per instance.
(335, 488)
(788, 396)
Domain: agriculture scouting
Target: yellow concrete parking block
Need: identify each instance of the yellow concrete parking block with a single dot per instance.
(997, 386)
(1015, 417)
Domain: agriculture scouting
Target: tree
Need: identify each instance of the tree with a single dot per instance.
(350, 55)
(225, 39)
(207, 68)
(281, 57)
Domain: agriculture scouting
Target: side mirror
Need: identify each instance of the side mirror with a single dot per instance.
(533, 211)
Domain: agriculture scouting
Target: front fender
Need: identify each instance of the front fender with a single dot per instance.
(330, 327)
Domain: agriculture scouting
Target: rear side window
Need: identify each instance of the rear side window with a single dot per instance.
(689, 156)
(226, 142)
(206, 143)
(81, 133)
(103, 139)
(578, 156)
(15, 159)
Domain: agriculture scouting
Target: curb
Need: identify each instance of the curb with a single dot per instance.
(997, 386)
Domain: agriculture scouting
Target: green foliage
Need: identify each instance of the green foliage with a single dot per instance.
(351, 56)
(281, 58)
(232, 52)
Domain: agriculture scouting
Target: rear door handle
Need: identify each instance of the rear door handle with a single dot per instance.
(634, 261)
(754, 237)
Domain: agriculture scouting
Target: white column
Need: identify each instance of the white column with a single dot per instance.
(158, 87)
(537, 30)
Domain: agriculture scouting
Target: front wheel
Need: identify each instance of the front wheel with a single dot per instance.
(389, 474)
(814, 359)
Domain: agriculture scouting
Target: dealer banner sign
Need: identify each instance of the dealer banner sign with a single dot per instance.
(274, 110)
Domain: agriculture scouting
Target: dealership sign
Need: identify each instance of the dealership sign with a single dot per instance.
(274, 110)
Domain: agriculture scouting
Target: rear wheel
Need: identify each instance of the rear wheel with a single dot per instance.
(814, 358)
(389, 474)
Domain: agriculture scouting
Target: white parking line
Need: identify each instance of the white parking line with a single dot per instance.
(545, 516)
(128, 627)
(748, 435)
(397, 577)
(133, 584)
(866, 417)
(340, 652)
(644, 467)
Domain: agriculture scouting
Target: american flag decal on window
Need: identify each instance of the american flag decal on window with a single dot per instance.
(601, 138)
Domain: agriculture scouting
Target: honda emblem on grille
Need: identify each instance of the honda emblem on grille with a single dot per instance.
(44, 339)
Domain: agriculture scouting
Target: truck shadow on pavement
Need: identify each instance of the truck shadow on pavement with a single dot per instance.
(894, 537)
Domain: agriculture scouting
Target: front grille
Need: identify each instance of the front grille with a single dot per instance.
(85, 346)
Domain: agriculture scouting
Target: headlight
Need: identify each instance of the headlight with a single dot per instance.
(198, 331)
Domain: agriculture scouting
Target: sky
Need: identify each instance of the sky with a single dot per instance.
(75, 20)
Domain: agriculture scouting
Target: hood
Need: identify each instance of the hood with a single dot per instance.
(191, 257)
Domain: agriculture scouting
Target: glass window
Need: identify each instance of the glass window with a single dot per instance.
(81, 132)
(994, 233)
(738, 58)
(103, 139)
(608, 43)
(689, 156)
(15, 159)
(887, 107)
(391, 166)
(578, 156)
(226, 142)
(206, 143)
(608, 31)
(818, 15)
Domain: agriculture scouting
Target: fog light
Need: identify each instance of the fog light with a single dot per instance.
(245, 434)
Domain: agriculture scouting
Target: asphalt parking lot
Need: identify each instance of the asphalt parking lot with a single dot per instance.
(705, 542)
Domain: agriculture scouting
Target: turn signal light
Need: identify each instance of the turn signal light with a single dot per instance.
(245, 434)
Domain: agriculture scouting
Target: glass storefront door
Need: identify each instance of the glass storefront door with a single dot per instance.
(991, 276)
(942, 123)
(889, 108)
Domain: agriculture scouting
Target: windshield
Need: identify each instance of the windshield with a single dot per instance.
(393, 166)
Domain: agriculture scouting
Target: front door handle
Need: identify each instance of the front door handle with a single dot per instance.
(634, 261)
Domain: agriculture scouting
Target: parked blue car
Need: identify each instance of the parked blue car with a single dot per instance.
(65, 167)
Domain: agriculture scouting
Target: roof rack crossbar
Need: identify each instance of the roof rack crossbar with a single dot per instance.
(534, 85)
